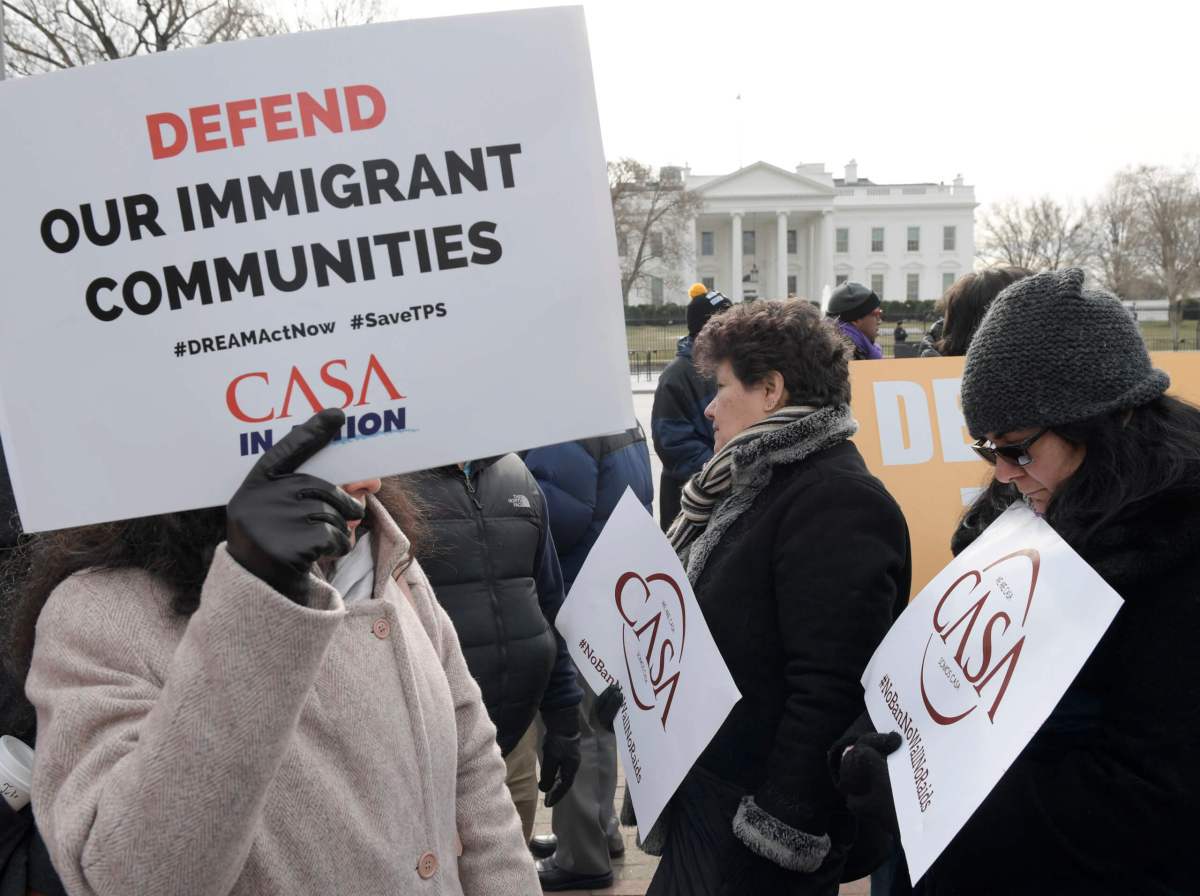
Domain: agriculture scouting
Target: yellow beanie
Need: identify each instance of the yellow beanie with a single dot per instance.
(698, 289)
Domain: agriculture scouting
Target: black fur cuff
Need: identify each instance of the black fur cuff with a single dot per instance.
(767, 836)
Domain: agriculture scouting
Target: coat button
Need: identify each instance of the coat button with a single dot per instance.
(381, 628)
(427, 865)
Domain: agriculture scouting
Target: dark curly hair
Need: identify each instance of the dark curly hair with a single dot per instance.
(788, 336)
(176, 548)
(967, 301)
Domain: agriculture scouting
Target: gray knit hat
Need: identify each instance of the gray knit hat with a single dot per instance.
(1051, 352)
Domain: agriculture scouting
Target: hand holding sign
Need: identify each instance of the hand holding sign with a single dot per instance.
(634, 628)
(281, 522)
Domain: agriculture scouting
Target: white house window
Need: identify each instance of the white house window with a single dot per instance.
(748, 242)
(622, 245)
(912, 287)
(656, 245)
(877, 285)
(841, 240)
(947, 281)
(791, 242)
(840, 279)
(949, 237)
(706, 242)
(791, 283)
(656, 290)
(876, 239)
(710, 283)
(914, 239)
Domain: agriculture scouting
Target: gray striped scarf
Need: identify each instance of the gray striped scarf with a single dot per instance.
(706, 489)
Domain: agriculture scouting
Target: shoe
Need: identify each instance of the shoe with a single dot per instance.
(616, 846)
(543, 845)
(555, 879)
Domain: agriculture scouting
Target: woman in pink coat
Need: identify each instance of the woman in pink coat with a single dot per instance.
(248, 716)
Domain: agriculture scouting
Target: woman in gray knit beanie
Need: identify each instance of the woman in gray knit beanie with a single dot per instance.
(1063, 398)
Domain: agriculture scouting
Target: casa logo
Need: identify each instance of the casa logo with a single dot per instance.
(978, 633)
(257, 397)
(653, 632)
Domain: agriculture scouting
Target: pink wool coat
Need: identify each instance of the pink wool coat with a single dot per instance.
(260, 747)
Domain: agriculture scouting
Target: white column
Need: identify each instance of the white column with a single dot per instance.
(826, 265)
(810, 274)
(735, 257)
(781, 257)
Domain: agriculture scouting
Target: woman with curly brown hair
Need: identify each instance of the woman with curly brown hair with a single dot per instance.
(800, 561)
(225, 707)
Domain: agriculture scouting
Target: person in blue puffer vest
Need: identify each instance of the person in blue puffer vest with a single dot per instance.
(582, 482)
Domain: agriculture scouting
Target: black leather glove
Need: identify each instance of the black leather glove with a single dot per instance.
(859, 766)
(608, 704)
(280, 522)
(560, 753)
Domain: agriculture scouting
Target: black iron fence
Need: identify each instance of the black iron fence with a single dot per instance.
(653, 344)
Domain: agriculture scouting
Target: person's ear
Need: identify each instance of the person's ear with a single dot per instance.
(774, 394)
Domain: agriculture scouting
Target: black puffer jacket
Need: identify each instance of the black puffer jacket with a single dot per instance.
(493, 568)
(1104, 798)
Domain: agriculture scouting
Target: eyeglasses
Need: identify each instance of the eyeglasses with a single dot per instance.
(1015, 454)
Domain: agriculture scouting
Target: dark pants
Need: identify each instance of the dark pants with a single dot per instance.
(669, 493)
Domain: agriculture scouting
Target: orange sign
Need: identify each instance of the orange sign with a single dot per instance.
(913, 437)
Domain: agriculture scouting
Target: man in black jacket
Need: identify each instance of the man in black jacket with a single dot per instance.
(494, 569)
(683, 436)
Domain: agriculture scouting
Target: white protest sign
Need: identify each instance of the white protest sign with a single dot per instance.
(632, 618)
(974, 666)
(410, 221)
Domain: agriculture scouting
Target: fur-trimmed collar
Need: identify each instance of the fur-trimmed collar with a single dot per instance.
(753, 464)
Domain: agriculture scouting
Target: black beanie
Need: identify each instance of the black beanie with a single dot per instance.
(1051, 352)
(852, 301)
(701, 308)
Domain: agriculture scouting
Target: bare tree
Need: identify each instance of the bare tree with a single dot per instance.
(1117, 236)
(1169, 212)
(1040, 235)
(654, 214)
(44, 35)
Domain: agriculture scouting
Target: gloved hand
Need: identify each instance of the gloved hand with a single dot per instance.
(280, 522)
(560, 753)
(746, 873)
(860, 772)
(608, 704)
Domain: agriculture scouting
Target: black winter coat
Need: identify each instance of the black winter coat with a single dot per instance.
(1104, 799)
(494, 570)
(798, 592)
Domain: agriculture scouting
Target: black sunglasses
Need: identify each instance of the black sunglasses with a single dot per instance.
(1016, 454)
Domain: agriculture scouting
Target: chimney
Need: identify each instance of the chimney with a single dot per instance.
(851, 172)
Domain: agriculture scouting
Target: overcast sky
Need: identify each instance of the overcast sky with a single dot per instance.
(1021, 98)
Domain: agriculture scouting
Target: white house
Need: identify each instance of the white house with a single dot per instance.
(765, 232)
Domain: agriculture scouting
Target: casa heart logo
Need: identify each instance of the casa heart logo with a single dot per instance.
(978, 634)
(653, 632)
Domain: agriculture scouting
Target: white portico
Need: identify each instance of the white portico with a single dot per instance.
(765, 231)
